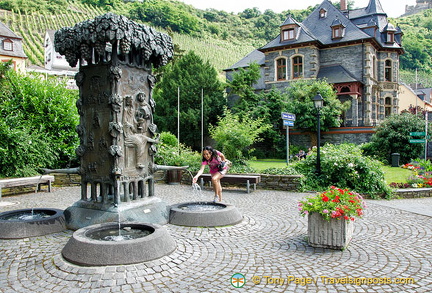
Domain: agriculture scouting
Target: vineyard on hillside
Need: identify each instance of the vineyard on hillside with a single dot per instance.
(32, 28)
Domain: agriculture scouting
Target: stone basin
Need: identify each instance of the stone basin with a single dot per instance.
(83, 248)
(204, 214)
(31, 222)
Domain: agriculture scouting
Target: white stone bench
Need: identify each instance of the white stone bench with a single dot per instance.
(37, 180)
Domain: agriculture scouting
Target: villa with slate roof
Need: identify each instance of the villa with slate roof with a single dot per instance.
(11, 48)
(357, 51)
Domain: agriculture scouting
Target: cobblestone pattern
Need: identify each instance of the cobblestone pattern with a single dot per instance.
(270, 241)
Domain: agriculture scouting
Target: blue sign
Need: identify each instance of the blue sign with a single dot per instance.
(288, 116)
(288, 123)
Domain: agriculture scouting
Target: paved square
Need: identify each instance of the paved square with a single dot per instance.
(390, 251)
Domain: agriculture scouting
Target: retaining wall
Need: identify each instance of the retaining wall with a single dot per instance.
(289, 183)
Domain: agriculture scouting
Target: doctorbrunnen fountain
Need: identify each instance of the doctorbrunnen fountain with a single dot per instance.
(116, 130)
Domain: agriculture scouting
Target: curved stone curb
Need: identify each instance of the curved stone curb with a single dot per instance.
(228, 215)
(82, 250)
(14, 229)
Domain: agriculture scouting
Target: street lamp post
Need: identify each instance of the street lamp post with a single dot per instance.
(318, 102)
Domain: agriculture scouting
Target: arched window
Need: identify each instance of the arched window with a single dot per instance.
(388, 70)
(297, 67)
(281, 69)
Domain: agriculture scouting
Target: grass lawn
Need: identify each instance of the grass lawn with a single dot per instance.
(394, 174)
(391, 174)
(263, 164)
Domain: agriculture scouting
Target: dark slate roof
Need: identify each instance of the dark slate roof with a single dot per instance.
(254, 56)
(7, 32)
(374, 7)
(336, 74)
(317, 29)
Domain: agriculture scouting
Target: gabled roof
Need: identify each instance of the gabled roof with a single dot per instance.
(319, 29)
(254, 56)
(17, 51)
(7, 32)
(336, 74)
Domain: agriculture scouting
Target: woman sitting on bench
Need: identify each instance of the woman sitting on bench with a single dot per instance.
(218, 165)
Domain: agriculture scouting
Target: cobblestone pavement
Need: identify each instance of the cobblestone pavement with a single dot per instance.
(391, 248)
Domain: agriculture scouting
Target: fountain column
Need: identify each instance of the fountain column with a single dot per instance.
(117, 134)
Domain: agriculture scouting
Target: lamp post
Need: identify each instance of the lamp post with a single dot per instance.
(318, 102)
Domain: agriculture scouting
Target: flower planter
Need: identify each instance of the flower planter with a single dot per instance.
(334, 234)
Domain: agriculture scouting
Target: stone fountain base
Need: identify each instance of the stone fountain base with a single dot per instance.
(217, 214)
(149, 210)
(54, 222)
(83, 249)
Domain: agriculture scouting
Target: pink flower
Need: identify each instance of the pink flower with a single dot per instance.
(325, 211)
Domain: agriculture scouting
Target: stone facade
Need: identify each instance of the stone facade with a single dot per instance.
(357, 51)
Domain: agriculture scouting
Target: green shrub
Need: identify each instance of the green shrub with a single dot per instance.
(344, 166)
(167, 138)
(174, 155)
(287, 170)
(23, 152)
(393, 135)
(40, 111)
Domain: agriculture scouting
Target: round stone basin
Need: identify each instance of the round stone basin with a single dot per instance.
(204, 214)
(108, 244)
(31, 222)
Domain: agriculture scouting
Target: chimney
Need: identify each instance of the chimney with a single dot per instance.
(343, 5)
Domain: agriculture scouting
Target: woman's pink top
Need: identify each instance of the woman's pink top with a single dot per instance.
(213, 163)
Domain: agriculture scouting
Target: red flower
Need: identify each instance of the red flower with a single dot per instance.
(336, 199)
(325, 198)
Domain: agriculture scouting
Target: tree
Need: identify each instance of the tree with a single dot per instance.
(166, 14)
(300, 102)
(264, 105)
(393, 135)
(189, 75)
(235, 134)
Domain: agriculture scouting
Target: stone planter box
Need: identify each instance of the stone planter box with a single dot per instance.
(334, 234)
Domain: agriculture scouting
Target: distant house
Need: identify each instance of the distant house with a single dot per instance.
(11, 48)
(357, 51)
(55, 64)
(53, 60)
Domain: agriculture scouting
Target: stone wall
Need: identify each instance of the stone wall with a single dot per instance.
(356, 135)
(289, 183)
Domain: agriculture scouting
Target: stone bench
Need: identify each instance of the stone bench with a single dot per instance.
(234, 178)
(37, 180)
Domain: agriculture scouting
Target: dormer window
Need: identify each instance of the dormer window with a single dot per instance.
(323, 13)
(338, 29)
(7, 45)
(337, 32)
(288, 34)
(289, 30)
(390, 37)
(389, 33)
